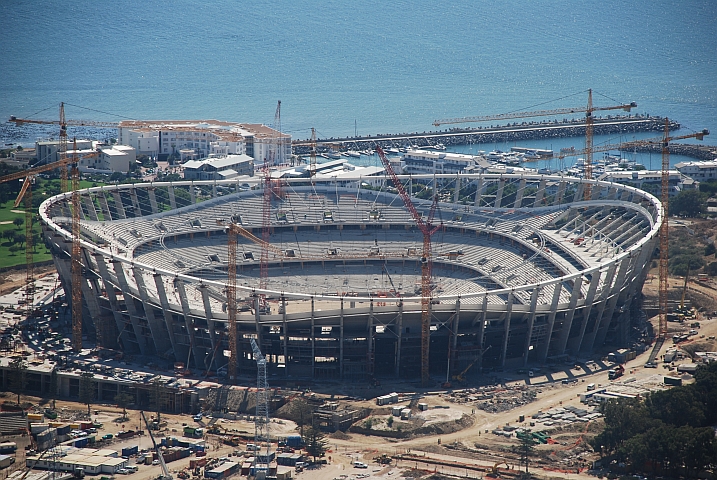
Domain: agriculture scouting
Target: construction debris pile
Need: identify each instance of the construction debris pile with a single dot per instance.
(495, 398)
(560, 416)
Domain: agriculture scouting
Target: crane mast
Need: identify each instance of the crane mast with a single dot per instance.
(261, 419)
(232, 302)
(665, 227)
(427, 229)
(26, 193)
(165, 470)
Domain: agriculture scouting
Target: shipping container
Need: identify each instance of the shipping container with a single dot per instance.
(674, 381)
(6, 461)
(81, 443)
(294, 441)
(35, 417)
(197, 462)
(8, 447)
(129, 451)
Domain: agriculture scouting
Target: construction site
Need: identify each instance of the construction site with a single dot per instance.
(393, 313)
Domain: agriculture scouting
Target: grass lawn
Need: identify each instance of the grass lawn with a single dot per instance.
(11, 259)
(7, 257)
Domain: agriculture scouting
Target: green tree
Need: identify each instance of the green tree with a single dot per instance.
(526, 448)
(304, 414)
(315, 441)
(87, 389)
(689, 203)
(123, 399)
(18, 376)
(18, 221)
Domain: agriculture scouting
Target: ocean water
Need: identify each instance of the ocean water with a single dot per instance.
(367, 67)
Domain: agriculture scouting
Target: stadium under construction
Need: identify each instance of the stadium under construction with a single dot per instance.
(525, 268)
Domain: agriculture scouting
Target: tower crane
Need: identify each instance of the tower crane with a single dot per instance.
(26, 193)
(589, 121)
(261, 419)
(165, 471)
(427, 229)
(664, 228)
(232, 302)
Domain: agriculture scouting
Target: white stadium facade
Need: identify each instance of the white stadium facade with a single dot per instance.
(525, 270)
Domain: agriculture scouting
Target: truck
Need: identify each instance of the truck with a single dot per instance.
(616, 372)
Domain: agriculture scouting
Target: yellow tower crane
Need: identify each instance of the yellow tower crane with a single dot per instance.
(28, 175)
(589, 109)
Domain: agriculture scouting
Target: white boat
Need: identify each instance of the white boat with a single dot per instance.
(353, 153)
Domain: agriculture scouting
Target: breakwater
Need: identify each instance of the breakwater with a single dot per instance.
(610, 125)
(700, 152)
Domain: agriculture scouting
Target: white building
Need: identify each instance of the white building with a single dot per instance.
(105, 158)
(702, 171)
(430, 162)
(219, 168)
(47, 151)
(163, 138)
(651, 180)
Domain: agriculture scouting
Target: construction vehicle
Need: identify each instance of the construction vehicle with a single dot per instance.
(165, 472)
(494, 472)
(461, 377)
(616, 372)
(683, 313)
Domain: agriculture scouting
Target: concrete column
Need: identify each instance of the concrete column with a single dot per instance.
(285, 328)
(119, 206)
(214, 189)
(204, 291)
(602, 303)
(457, 191)
(172, 199)
(499, 193)
(131, 308)
(586, 310)
(179, 350)
(612, 193)
(369, 336)
(135, 202)
(192, 194)
(506, 333)
(454, 337)
(540, 193)
(481, 329)
(399, 321)
(153, 200)
(90, 299)
(188, 324)
(104, 207)
(568, 323)
(612, 302)
(561, 193)
(127, 342)
(551, 321)
(90, 206)
(531, 321)
(479, 191)
(341, 345)
(519, 194)
(159, 334)
(313, 340)
(579, 193)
